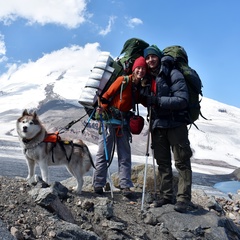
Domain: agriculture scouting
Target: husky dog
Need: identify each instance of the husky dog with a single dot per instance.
(38, 149)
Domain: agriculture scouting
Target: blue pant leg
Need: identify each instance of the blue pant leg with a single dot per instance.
(100, 173)
(124, 159)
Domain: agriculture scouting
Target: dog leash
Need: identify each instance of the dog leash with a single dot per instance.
(69, 125)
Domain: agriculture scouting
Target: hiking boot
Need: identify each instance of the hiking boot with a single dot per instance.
(98, 190)
(181, 207)
(107, 187)
(161, 202)
(126, 192)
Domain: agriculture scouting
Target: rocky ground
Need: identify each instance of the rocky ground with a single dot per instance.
(26, 219)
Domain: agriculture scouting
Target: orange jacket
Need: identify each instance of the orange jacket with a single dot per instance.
(126, 103)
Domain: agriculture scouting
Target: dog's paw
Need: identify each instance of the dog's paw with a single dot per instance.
(34, 179)
(28, 177)
(31, 179)
(76, 190)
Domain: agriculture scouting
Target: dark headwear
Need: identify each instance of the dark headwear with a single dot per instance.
(153, 49)
(139, 62)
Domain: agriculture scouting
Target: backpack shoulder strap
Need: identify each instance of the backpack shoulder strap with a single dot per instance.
(125, 81)
(123, 85)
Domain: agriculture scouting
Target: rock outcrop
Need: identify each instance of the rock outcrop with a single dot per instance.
(39, 211)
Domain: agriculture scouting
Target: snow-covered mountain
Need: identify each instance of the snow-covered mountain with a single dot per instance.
(34, 85)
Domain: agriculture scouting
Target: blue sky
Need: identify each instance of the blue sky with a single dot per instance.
(208, 30)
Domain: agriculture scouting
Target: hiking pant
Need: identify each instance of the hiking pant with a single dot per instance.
(123, 148)
(175, 139)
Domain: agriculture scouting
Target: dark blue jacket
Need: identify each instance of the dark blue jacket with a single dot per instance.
(172, 95)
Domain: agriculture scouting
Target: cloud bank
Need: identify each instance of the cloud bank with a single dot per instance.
(68, 13)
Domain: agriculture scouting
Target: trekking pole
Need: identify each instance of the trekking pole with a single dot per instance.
(105, 149)
(69, 125)
(146, 163)
(154, 172)
(89, 119)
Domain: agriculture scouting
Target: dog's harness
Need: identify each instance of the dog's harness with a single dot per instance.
(54, 138)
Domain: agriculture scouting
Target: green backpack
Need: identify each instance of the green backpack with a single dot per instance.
(192, 79)
(132, 49)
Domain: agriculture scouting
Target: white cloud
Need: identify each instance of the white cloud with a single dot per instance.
(2, 45)
(132, 22)
(74, 62)
(69, 13)
(65, 58)
(2, 49)
(108, 29)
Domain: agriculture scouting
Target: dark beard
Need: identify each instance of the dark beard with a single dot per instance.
(154, 72)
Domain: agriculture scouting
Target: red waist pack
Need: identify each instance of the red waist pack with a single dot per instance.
(136, 124)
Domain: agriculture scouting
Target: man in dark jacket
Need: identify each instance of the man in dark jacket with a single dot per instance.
(168, 100)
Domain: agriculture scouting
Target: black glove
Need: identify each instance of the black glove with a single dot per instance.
(104, 100)
(152, 100)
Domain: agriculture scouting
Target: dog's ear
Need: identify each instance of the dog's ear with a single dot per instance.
(34, 114)
(25, 112)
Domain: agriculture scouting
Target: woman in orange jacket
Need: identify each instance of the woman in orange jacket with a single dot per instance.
(118, 102)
